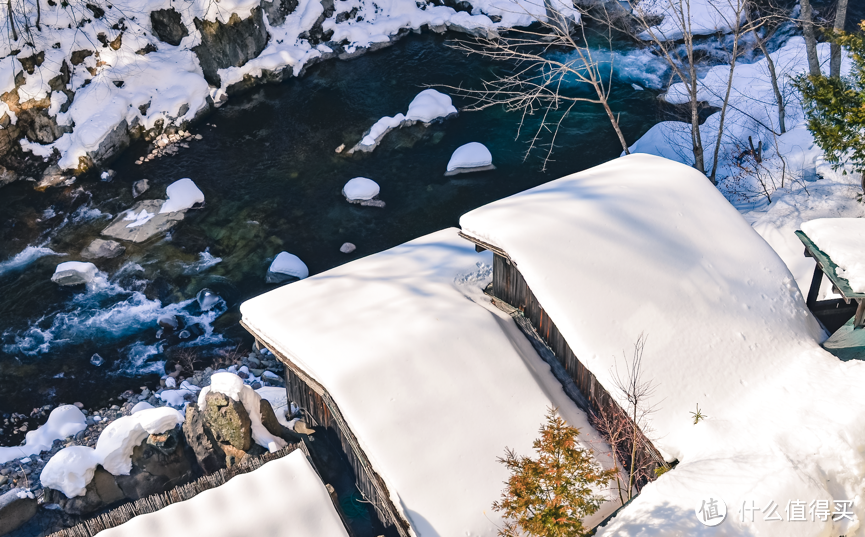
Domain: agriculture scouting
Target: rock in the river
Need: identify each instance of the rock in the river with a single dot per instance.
(207, 299)
(286, 267)
(471, 157)
(16, 507)
(168, 321)
(74, 273)
(101, 248)
(360, 189)
(140, 187)
(347, 248)
(142, 221)
(97, 360)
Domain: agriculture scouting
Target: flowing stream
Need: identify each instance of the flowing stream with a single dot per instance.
(272, 182)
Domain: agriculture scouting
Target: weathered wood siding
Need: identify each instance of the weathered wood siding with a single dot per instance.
(510, 286)
(321, 408)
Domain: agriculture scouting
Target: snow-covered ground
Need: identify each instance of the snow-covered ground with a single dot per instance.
(642, 245)
(432, 379)
(284, 497)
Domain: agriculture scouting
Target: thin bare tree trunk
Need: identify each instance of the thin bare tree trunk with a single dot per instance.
(38, 15)
(696, 137)
(840, 19)
(773, 75)
(810, 38)
(726, 102)
(11, 20)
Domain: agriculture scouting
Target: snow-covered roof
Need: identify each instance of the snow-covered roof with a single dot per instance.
(643, 245)
(283, 497)
(432, 380)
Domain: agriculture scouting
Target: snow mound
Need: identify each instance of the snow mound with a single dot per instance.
(290, 265)
(359, 189)
(64, 421)
(141, 405)
(70, 470)
(380, 128)
(74, 273)
(284, 497)
(115, 444)
(430, 104)
(843, 240)
(182, 195)
(470, 155)
(231, 385)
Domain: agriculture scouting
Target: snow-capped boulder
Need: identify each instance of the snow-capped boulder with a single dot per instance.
(471, 157)
(182, 195)
(142, 221)
(360, 189)
(285, 267)
(74, 273)
(70, 470)
(429, 105)
(115, 444)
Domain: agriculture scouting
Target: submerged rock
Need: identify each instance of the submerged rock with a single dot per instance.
(97, 360)
(140, 187)
(207, 299)
(74, 273)
(101, 248)
(142, 222)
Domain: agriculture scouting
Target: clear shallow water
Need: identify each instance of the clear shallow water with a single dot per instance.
(272, 182)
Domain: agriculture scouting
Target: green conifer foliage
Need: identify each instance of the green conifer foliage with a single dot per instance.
(835, 107)
(548, 496)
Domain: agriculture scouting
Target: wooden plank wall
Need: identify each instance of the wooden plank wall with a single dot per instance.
(323, 410)
(510, 286)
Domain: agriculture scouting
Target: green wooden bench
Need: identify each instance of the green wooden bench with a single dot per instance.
(848, 339)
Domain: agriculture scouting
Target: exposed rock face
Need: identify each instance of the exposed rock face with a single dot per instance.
(228, 421)
(168, 26)
(100, 492)
(207, 450)
(278, 10)
(159, 463)
(15, 510)
(230, 44)
(7, 176)
(100, 248)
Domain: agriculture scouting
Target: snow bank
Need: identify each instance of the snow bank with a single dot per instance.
(752, 111)
(283, 496)
(405, 398)
(727, 330)
(470, 155)
(115, 444)
(70, 470)
(290, 265)
(360, 188)
(705, 17)
(63, 421)
(233, 386)
(182, 195)
(843, 240)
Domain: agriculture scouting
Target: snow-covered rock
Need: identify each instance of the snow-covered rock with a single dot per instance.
(278, 399)
(182, 194)
(74, 273)
(360, 188)
(286, 266)
(142, 221)
(471, 157)
(139, 406)
(430, 105)
(233, 387)
(115, 444)
(70, 470)
(63, 421)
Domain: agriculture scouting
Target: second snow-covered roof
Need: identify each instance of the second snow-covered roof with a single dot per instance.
(644, 245)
